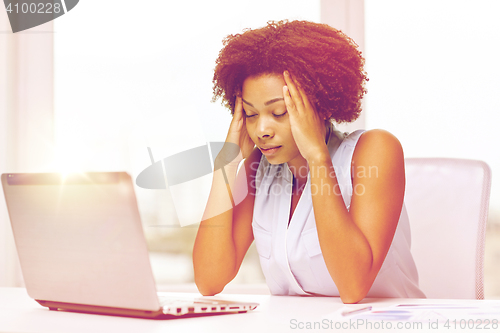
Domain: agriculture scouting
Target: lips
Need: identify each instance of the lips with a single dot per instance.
(269, 150)
(269, 147)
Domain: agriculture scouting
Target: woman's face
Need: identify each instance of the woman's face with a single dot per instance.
(267, 119)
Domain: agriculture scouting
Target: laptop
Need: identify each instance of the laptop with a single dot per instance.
(82, 248)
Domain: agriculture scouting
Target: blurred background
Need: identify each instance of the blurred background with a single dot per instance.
(93, 89)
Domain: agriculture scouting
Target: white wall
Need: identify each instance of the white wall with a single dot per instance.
(434, 78)
(145, 70)
(129, 76)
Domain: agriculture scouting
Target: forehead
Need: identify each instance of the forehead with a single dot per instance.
(259, 89)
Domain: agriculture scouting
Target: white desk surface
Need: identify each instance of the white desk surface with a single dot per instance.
(19, 313)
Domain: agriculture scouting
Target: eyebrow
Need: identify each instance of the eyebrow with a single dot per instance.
(271, 101)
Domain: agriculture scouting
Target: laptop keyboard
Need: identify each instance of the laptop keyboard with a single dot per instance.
(171, 301)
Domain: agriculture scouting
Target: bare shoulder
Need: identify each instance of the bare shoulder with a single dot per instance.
(378, 146)
(378, 139)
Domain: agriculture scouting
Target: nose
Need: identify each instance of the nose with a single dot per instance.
(264, 128)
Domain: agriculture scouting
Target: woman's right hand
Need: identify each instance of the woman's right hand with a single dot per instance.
(237, 135)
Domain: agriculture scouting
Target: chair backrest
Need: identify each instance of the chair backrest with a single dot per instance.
(447, 201)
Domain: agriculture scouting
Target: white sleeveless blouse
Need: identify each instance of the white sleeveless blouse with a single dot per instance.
(290, 254)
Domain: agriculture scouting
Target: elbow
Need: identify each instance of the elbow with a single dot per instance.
(358, 285)
(355, 294)
(211, 279)
(352, 298)
(208, 288)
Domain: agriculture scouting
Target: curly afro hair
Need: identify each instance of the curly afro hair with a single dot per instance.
(324, 61)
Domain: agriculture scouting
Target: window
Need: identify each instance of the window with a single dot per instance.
(131, 75)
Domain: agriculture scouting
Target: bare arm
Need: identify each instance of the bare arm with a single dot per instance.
(223, 240)
(354, 243)
(225, 233)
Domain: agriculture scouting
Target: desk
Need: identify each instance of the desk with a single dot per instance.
(19, 313)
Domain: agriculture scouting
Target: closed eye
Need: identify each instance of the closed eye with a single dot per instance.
(281, 115)
(249, 115)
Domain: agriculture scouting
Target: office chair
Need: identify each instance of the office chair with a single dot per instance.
(447, 201)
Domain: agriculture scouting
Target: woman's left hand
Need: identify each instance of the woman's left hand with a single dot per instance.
(308, 129)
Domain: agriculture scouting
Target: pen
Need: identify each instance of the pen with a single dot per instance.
(360, 310)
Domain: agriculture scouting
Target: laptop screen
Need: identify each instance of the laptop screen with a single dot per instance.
(80, 240)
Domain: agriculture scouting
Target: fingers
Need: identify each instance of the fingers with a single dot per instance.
(294, 93)
(238, 118)
(297, 94)
(290, 106)
(238, 108)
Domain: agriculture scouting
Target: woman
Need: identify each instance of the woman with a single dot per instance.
(325, 208)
